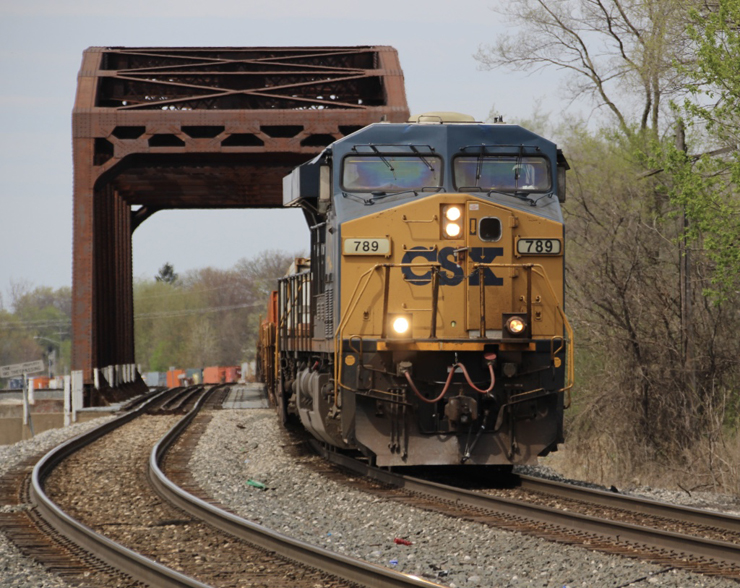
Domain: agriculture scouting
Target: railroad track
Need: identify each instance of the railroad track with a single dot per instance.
(683, 537)
(166, 545)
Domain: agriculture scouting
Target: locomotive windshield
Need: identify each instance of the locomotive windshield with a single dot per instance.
(391, 173)
(504, 173)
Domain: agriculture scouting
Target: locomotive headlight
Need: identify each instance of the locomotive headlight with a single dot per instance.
(399, 325)
(452, 221)
(452, 230)
(515, 325)
(453, 213)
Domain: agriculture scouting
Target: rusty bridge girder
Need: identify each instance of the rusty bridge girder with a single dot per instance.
(175, 128)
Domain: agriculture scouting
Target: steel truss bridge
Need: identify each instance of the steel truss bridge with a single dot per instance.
(176, 128)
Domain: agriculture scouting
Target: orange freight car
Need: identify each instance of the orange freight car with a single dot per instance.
(220, 374)
(266, 346)
(175, 378)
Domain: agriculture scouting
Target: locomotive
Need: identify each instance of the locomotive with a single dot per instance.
(427, 327)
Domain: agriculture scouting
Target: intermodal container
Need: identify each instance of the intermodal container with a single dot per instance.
(40, 382)
(195, 375)
(220, 374)
(175, 377)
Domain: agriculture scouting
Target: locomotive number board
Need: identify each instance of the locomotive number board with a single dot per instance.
(538, 246)
(367, 246)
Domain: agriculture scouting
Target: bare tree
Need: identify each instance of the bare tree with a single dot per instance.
(640, 408)
(620, 53)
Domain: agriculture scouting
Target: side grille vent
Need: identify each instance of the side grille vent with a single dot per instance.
(329, 311)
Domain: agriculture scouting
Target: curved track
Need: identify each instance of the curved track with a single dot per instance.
(689, 547)
(350, 570)
(633, 504)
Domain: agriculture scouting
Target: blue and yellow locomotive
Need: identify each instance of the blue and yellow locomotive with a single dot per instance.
(428, 327)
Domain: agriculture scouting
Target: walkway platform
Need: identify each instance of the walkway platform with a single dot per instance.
(247, 396)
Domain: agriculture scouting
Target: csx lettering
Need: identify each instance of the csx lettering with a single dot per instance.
(451, 273)
(485, 255)
(409, 257)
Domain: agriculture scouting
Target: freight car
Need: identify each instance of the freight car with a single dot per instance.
(428, 327)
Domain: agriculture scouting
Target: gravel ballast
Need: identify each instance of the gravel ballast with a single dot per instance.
(16, 570)
(242, 445)
(247, 445)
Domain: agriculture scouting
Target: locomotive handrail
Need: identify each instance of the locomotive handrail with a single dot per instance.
(364, 281)
(540, 271)
(353, 301)
(571, 371)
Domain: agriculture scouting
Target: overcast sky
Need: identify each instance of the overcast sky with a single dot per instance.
(41, 45)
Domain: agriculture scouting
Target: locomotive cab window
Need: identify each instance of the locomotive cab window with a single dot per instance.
(391, 173)
(490, 229)
(505, 173)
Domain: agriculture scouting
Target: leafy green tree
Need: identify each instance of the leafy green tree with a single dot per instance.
(17, 344)
(163, 318)
(41, 321)
(705, 186)
(207, 317)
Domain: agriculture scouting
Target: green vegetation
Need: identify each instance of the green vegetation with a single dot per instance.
(705, 186)
(37, 327)
(205, 317)
(653, 223)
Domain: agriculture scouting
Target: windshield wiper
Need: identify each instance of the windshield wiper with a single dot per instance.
(375, 196)
(380, 195)
(420, 156)
(355, 197)
(383, 159)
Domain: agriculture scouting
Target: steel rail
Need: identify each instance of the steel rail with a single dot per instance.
(617, 532)
(348, 568)
(134, 564)
(635, 504)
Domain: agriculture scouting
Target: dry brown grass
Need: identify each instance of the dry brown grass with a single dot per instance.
(614, 453)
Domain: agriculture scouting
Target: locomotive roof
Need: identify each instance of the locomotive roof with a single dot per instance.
(455, 135)
(447, 140)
